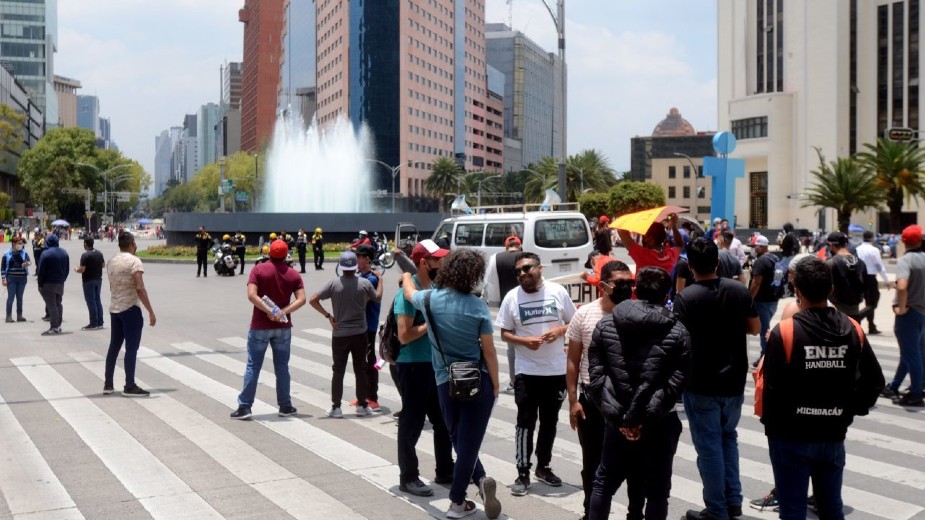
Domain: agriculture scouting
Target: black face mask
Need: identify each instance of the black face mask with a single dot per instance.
(432, 274)
(621, 292)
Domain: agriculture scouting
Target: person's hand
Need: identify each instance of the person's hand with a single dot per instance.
(397, 252)
(672, 221)
(496, 389)
(333, 322)
(152, 319)
(532, 343)
(899, 311)
(584, 275)
(551, 335)
(575, 412)
(631, 434)
(4, 282)
(891, 285)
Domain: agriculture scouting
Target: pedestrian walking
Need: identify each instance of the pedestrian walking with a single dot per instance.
(127, 290)
(271, 287)
(91, 273)
(909, 327)
(318, 249)
(203, 246)
(52, 271)
(349, 295)
(870, 254)
(848, 272)
(14, 267)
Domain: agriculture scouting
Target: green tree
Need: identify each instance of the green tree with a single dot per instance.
(590, 171)
(897, 168)
(593, 205)
(445, 174)
(50, 165)
(631, 196)
(844, 186)
(12, 136)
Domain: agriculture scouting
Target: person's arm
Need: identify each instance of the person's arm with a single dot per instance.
(677, 239)
(407, 330)
(752, 325)
(404, 263)
(407, 286)
(626, 237)
(679, 285)
(315, 302)
(3, 268)
(902, 297)
(296, 304)
(379, 285)
(138, 277)
(491, 361)
(82, 267)
(755, 285)
(572, 366)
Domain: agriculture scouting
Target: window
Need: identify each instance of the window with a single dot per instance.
(497, 232)
(687, 172)
(687, 192)
(672, 192)
(672, 172)
(560, 233)
(749, 128)
(469, 234)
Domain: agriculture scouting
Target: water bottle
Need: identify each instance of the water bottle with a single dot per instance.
(272, 308)
(379, 364)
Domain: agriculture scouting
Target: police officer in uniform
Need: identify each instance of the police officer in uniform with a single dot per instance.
(301, 243)
(318, 249)
(203, 243)
(239, 248)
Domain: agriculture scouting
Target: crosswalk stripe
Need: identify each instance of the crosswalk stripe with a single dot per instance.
(28, 484)
(291, 493)
(161, 492)
(339, 452)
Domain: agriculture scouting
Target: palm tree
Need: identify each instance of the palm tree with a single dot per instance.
(445, 175)
(897, 168)
(588, 170)
(845, 187)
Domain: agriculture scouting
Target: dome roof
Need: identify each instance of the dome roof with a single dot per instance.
(673, 125)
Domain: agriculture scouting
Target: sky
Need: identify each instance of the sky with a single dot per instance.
(629, 62)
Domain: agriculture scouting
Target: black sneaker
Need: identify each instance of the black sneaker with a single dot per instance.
(693, 514)
(811, 503)
(521, 485)
(46, 318)
(135, 391)
(416, 488)
(768, 503)
(20, 319)
(9, 319)
(906, 400)
(734, 511)
(547, 476)
(443, 479)
(243, 412)
(108, 389)
(88, 327)
(286, 411)
(888, 392)
(52, 332)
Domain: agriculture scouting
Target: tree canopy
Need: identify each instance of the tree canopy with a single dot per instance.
(897, 168)
(844, 186)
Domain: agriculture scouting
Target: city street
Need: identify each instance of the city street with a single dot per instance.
(67, 451)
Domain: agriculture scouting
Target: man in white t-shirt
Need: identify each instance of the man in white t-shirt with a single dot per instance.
(533, 319)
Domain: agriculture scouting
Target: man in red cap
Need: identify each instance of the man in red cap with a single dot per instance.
(271, 325)
(909, 308)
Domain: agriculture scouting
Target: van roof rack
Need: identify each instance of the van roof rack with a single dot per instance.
(519, 208)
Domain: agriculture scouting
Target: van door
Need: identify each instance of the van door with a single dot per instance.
(469, 234)
(565, 242)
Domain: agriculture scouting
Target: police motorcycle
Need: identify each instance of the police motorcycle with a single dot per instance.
(226, 262)
(384, 256)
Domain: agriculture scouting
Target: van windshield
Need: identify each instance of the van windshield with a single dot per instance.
(561, 233)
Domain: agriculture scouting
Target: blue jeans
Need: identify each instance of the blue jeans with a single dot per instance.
(15, 287)
(94, 304)
(911, 337)
(713, 421)
(765, 311)
(126, 326)
(257, 340)
(795, 463)
(467, 422)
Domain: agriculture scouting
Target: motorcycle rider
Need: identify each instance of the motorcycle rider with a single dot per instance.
(362, 240)
(238, 241)
(288, 239)
(318, 249)
(301, 243)
(203, 243)
(264, 255)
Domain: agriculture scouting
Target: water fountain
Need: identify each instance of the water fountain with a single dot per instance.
(318, 170)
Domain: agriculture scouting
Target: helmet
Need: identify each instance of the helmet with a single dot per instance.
(317, 230)
(272, 236)
(363, 233)
(265, 250)
(226, 237)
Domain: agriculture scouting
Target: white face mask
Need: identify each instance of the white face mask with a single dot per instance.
(17, 247)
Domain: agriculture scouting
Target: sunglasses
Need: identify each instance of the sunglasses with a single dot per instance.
(525, 269)
(620, 283)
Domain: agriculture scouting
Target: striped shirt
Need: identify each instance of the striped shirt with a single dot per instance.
(11, 264)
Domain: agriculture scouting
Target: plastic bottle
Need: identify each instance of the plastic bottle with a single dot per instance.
(272, 308)
(379, 364)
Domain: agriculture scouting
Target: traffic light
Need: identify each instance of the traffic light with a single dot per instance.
(901, 135)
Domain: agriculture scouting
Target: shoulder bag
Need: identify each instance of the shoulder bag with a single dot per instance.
(465, 377)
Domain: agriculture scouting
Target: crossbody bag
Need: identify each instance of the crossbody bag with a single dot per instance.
(465, 377)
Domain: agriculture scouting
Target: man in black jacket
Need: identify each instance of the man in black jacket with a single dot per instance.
(639, 360)
(52, 271)
(812, 394)
(713, 399)
(203, 245)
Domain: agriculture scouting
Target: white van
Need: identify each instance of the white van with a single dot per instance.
(562, 239)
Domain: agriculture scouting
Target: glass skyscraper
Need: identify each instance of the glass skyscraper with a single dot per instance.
(28, 41)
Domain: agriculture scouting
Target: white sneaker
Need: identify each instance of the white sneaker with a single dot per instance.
(487, 490)
(335, 413)
(363, 411)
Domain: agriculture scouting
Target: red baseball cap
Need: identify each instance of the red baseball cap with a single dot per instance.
(604, 219)
(512, 239)
(427, 249)
(278, 249)
(912, 234)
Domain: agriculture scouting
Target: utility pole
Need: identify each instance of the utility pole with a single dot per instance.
(221, 184)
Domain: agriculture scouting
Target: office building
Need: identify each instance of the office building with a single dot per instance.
(16, 96)
(297, 63)
(66, 89)
(531, 95)
(88, 114)
(162, 149)
(263, 25)
(228, 132)
(207, 120)
(802, 80)
(231, 85)
(28, 43)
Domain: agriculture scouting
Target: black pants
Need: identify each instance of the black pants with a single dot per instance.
(202, 263)
(651, 456)
(871, 296)
(418, 389)
(536, 397)
(341, 348)
(301, 250)
(591, 438)
(372, 374)
(319, 258)
(240, 252)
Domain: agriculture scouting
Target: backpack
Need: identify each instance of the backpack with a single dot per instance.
(779, 282)
(786, 336)
(389, 346)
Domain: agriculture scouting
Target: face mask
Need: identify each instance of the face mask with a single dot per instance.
(432, 274)
(17, 247)
(621, 292)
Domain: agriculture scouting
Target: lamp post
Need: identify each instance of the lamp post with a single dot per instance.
(106, 181)
(483, 179)
(581, 174)
(221, 184)
(694, 173)
(394, 171)
(558, 19)
(256, 179)
(112, 184)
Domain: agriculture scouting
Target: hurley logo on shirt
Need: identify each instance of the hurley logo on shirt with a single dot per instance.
(539, 312)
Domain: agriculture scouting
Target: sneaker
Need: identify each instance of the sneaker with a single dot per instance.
(416, 488)
(108, 389)
(443, 479)
(20, 319)
(243, 412)
(88, 327)
(768, 503)
(396, 414)
(509, 389)
(521, 485)
(52, 332)
(373, 405)
(461, 510)
(135, 391)
(286, 411)
(46, 318)
(335, 413)
(363, 411)
(693, 514)
(811, 503)
(873, 331)
(734, 511)
(888, 392)
(487, 490)
(9, 319)
(547, 476)
(906, 400)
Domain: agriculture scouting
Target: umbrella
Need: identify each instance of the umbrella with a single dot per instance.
(144, 221)
(640, 221)
(854, 228)
(61, 223)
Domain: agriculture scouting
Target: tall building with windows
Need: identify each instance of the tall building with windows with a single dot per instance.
(207, 120)
(297, 64)
(228, 132)
(28, 42)
(162, 149)
(804, 81)
(88, 114)
(66, 89)
(15, 95)
(263, 25)
(531, 95)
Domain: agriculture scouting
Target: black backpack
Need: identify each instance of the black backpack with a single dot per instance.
(779, 281)
(389, 346)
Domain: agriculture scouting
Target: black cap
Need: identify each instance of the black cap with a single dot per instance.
(838, 238)
(367, 251)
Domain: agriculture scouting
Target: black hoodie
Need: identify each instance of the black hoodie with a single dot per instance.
(832, 376)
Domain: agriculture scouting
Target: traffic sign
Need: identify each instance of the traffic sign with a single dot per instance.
(901, 135)
(240, 196)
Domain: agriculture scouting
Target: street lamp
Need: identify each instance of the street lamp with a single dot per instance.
(483, 179)
(394, 171)
(107, 183)
(558, 20)
(581, 174)
(696, 193)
